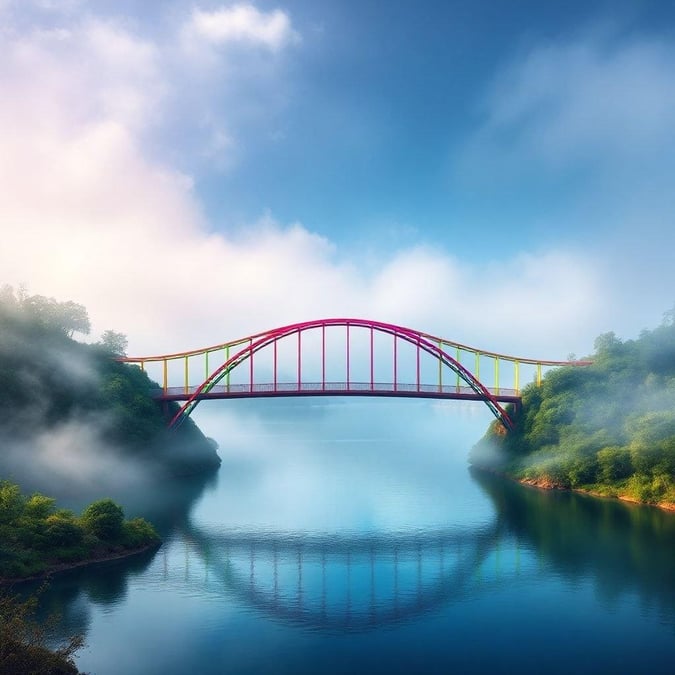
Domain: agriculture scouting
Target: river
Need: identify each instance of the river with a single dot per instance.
(344, 536)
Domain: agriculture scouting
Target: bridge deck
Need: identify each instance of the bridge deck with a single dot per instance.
(386, 389)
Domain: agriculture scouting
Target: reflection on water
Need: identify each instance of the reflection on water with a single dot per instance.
(622, 547)
(347, 538)
(344, 583)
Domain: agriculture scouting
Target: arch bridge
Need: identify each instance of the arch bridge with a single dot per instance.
(341, 357)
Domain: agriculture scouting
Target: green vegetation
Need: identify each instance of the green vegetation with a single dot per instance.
(608, 428)
(51, 384)
(23, 649)
(48, 380)
(36, 537)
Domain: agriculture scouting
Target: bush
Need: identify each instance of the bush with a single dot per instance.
(614, 464)
(103, 519)
(34, 536)
(138, 532)
(63, 530)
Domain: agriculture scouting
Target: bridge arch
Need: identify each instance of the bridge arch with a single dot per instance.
(416, 338)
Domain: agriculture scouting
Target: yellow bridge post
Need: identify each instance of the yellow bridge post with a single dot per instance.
(165, 376)
(186, 375)
(497, 375)
(539, 374)
(517, 376)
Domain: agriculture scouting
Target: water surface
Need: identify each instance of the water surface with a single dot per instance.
(351, 536)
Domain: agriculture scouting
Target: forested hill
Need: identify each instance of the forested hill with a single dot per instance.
(608, 428)
(64, 403)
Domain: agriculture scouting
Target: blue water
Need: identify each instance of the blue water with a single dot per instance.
(351, 536)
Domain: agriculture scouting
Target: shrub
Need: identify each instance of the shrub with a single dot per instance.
(138, 532)
(23, 648)
(103, 519)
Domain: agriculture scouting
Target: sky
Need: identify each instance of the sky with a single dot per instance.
(497, 173)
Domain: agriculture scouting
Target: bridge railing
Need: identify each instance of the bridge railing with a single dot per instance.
(354, 349)
(223, 390)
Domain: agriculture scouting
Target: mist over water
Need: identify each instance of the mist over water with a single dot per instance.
(351, 536)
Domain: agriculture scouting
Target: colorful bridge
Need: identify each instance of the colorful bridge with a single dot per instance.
(342, 357)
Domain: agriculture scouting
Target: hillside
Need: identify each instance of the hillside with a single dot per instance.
(607, 429)
(67, 406)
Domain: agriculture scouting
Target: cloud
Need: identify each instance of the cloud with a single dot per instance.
(593, 99)
(72, 458)
(63, 78)
(243, 24)
(590, 121)
(91, 213)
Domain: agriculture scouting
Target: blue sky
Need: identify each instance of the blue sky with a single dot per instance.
(385, 101)
(496, 172)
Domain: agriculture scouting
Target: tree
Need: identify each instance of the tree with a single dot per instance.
(606, 342)
(7, 297)
(74, 318)
(114, 342)
(103, 519)
(66, 317)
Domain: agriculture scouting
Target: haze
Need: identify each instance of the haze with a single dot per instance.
(496, 173)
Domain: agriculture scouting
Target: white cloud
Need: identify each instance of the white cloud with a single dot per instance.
(243, 24)
(592, 99)
(89, 214)
(592, 119)
(67, 77)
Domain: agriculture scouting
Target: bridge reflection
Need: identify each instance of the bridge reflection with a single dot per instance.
(343, 583)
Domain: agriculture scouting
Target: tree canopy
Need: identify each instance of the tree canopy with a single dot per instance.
(49, 379)
(36, 536)
(65, 317)
(608, 428)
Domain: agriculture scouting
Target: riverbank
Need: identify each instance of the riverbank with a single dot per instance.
(546, 483)
(37, 538)
(100, 558)
(607, 429)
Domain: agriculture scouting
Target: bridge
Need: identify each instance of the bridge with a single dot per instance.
(341, 357)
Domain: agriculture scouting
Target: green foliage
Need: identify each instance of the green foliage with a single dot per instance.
(36, 537)
(63, 531)
(11, 503)
(115, 343)
(614, 464)
(44, 314)
(138, 532)
(23, 649)
(608, 428)
(38, 507)
(48, 380)
(103, 519)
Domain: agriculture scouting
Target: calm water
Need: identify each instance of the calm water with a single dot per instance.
(351, 536)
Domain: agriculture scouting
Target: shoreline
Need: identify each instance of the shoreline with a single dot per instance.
(548, 484)
(60, 568)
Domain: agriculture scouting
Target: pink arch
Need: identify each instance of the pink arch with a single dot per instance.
(408, 334)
